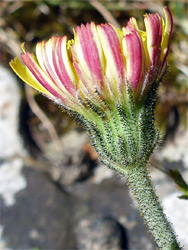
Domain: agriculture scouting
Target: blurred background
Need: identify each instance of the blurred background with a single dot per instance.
(54, 193)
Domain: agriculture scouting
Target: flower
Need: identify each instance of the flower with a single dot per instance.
(100, 64)
(108, 79)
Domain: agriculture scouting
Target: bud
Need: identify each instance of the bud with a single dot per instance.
(108, 78)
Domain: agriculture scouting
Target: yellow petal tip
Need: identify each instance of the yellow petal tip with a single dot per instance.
(23, 47)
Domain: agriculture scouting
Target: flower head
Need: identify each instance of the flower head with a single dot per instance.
(100, 64)
(108, 78)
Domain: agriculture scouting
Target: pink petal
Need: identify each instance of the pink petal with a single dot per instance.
(59, 65)
(38, 73)
(134, 57)
(90, 52)
(115, 48)
(44, 55)
(154, 36)
(167, 33)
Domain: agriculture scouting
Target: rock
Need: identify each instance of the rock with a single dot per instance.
(110, 198)
(72, 164)
(102, 172)
(177, 211)
(176, 150)
(174, 155)
(98, 233)
(41, 217)
(11, 180)
(10, 142)
(2, 243)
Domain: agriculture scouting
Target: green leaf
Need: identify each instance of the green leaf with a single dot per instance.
(185, 197)
(177, 177)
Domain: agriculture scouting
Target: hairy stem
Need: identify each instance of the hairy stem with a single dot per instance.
(150, 208)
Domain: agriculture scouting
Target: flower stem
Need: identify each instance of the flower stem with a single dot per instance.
(150, 208)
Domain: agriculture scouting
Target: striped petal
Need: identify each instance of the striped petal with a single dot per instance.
(87, 57)
(153, 25)
(135, 58)
(89, 62)
(91, 54)
(167, 33)
(111, 43)
(27, 77)
(63, 65)
(131, 25)
(33, 66)
(44, 78)
(54, 60)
